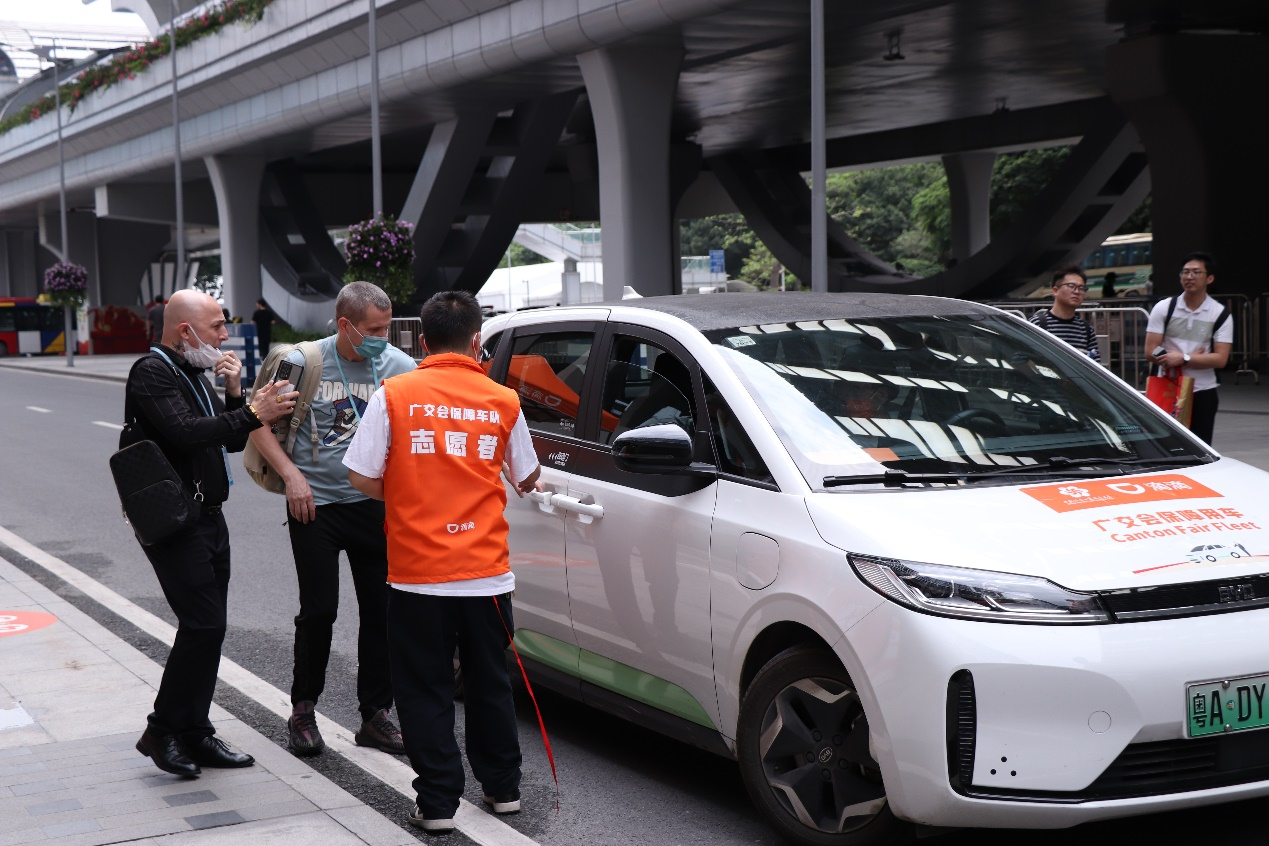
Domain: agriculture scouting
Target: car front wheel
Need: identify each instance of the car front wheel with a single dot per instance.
(802, 742)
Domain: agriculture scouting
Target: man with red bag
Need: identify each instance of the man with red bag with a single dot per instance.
(1191, 335)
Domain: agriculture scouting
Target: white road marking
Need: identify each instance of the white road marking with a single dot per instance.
(103, 423)
(480, 826)
(40, 410)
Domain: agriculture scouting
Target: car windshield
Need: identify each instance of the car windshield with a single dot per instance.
(983, 396)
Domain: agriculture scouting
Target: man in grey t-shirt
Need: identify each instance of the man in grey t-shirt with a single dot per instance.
(327, 515)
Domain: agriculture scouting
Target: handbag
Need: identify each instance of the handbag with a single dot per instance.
(155, 503)
(1172, 392)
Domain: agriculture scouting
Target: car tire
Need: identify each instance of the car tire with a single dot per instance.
(4, 349)
(802, 743)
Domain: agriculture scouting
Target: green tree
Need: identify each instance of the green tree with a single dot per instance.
(523, 256)
(875, 207)
(1140, 220)
(1017, 180)
(727, 232)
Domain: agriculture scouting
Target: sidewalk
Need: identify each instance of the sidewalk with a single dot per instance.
(1244, 398)
(71, 693)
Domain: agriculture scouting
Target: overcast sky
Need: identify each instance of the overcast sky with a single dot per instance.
(65, 11)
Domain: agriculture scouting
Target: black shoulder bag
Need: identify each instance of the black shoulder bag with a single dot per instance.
(155, 501)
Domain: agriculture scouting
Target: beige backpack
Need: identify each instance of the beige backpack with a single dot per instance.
(288, 428)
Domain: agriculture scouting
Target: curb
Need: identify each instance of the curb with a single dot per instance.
(70, 371)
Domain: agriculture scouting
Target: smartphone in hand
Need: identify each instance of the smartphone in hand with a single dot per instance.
(289, 371)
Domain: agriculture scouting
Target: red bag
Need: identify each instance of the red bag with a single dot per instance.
(1173, 393)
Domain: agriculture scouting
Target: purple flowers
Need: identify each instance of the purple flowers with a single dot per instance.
(66, 283)
(381, 250)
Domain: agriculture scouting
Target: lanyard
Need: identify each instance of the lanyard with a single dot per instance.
(204, 403)
(374, 375)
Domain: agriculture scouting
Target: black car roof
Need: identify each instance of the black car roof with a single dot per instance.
(722, 311)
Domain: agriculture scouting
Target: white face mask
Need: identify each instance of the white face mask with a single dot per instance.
(203, 356)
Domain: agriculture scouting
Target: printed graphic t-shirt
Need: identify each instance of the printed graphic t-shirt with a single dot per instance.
(333, 414)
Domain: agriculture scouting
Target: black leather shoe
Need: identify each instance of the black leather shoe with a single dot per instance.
(214, 752)
(165, 750)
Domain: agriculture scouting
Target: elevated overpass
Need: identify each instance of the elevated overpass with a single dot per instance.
(640, 112)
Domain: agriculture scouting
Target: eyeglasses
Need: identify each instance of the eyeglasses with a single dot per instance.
(1191, 271)
(1079, 289)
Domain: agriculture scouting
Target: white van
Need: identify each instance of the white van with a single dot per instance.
(906, 559)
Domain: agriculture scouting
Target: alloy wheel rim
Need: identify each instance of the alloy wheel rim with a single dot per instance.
(816, 758)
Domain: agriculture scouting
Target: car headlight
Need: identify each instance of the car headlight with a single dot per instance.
(977, 594)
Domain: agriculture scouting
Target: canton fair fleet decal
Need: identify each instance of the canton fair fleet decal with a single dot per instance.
(1077, 496)
(1208, 532)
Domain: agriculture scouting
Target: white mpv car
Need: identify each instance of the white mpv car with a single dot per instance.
(906, 559)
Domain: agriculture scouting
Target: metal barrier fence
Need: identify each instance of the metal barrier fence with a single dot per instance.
(1260, 328)
(406, 333)
(242, 340)
(1247, 340)
(1120, 330)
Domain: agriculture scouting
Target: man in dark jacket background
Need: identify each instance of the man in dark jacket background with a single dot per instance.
(173, 404)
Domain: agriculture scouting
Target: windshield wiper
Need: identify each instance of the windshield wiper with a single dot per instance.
(1058, 465)
(1064, 465)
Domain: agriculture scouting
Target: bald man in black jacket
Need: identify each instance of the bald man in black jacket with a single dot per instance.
(172, 403)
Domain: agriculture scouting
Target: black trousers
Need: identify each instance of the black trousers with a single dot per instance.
(357, 529)
(193, 570)
(422, 633)
(1203, 413)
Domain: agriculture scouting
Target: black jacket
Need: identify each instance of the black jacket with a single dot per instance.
(167, 412)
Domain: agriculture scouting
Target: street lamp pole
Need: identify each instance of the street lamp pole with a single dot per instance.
(68, 330)
(376, 153)
(178, 282)
(819, 193)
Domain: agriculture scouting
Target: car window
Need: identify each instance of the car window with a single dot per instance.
(489, 349)
(6, 319)
(937, 394)
(644, 386)
(734, 452)
(547, 371)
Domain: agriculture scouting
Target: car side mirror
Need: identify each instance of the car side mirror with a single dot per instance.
(653, 449)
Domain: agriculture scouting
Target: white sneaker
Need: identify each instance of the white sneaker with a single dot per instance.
(430, 826)
(509, 804)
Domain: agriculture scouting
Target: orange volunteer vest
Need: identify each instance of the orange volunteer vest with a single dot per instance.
(450, 426)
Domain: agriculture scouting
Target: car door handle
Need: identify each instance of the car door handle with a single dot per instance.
(544, 499)
(576, 506)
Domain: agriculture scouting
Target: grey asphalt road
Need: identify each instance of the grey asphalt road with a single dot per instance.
(619, 783)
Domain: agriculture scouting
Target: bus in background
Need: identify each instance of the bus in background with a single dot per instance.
(28, 327)
(1129, 256)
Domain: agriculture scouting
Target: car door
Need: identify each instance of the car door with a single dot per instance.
(638, 545)
(546, 365)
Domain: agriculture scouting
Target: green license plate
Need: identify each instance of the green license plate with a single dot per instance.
(1229, 705)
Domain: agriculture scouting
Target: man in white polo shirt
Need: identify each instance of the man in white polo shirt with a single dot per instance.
(1197, 334)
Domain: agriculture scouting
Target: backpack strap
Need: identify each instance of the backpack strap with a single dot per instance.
(1220, 320)
(304, 402)
(1167, 318)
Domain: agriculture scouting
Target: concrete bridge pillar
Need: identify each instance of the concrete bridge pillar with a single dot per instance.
(570, 283)
(969, 186)
(1187, 97)
(631, 90)
(17, 264)
(236, 181)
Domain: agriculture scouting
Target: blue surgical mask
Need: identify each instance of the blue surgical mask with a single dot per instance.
(371, 346)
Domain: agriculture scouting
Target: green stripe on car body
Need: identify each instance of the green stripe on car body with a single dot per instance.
(612, 675)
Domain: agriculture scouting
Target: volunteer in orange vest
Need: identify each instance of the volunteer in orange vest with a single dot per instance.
(432, 444)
